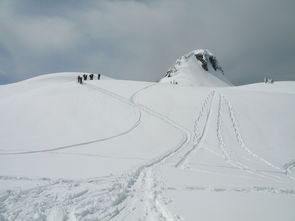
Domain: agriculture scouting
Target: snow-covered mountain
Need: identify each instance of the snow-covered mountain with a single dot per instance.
(198, 68)
(127, 151)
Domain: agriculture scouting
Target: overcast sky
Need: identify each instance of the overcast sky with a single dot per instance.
(140, 40)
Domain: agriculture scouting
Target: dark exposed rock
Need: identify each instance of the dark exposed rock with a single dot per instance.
(213, 62)
(203, 61)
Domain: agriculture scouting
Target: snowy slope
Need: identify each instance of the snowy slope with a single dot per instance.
(198, 68)
(126, 150)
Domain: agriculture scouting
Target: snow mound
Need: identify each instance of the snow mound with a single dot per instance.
(197, 68)
(125, 150)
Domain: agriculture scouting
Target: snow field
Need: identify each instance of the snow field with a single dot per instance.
(157, 152)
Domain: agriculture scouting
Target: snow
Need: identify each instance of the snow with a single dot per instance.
(282, 86)
(125, 150)
(188, 71)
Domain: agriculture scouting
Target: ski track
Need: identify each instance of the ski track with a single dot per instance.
(110, 203)
(113, 96)
(186, 135)
(116, 197)
(199, 136)
(240, 139)
(153, 209)
(75, 145)
(227, 156)
(141, 175)
(289, 167)
(244, 147)
(137, 176)
(254, 157)
(42, 201)
(99, 156)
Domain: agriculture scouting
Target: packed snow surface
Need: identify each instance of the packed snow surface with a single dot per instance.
(124, 150)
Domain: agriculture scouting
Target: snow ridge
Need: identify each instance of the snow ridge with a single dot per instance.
(204, 56)
(197, 68)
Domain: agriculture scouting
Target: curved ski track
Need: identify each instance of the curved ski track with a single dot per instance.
(111, 203)
(116, 198)
(142, 176)
(113, 96)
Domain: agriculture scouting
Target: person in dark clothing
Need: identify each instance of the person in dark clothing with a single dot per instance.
(91, 76)
(80, 79)
(98, 76)
(85, 77)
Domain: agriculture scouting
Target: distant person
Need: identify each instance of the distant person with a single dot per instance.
(85, 77)
(265, 80)
(80, 79)
(91, 76)
(268, 80)
(98, 76)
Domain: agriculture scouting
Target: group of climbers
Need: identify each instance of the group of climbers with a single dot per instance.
(85, 76)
